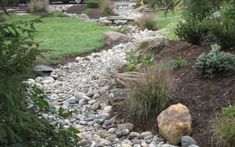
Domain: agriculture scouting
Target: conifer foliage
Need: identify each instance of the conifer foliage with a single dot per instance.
(20, 124)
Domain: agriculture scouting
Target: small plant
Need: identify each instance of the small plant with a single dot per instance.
(56, 13)
(36, 6)
(224, 127)
(177, 63)
(135, 60)
(147, 22)
(149, 94)
(216, 62)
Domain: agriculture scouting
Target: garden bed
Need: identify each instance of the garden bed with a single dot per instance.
(204, 97)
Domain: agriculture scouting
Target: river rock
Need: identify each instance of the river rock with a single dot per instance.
(111, 38)
(175, 122)
(186, 141)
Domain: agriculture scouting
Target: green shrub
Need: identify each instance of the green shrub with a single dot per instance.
(147, 22)
(215, 62)
(38, 6)
(149, 94)
(93, 3)
(177, 63)
(21, 105)
(224, 31)
(56, 13)
(191, 30)
(224, 128)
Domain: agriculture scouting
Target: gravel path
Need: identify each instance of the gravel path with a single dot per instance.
(84, 87)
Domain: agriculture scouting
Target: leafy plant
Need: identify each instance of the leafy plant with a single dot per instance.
(135, 60)
(64, 114)
(56, 13)
(177, 63)
(149, 94)
(224, 128)
(216, 62)
(20, 105)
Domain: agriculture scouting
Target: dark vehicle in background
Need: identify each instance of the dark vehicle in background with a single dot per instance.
(51, 1)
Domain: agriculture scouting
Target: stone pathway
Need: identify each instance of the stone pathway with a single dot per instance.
(85, 87)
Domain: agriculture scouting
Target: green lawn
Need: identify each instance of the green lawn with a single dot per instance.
(168, 21)
(66, 36)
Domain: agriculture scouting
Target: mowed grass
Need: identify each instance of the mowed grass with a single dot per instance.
(65, 36)
(168, 22)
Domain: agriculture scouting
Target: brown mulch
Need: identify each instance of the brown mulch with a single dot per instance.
(76, 9)
(204, 97)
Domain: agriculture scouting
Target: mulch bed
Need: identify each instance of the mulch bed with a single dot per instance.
(204, 97)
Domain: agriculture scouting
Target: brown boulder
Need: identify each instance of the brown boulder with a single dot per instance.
(175, 122)
(111, 38)
(153, 45)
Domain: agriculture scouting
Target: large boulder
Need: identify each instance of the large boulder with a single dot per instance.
(111, 38)
(175, 122)
(153, 45)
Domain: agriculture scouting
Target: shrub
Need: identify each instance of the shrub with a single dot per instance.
(149, 94)
(177, 63)
(38, 6)
(191, 30)
(215, 62)
(224, 128)
(147, 22)
(224, 31)
(21, 105)
(93, 3)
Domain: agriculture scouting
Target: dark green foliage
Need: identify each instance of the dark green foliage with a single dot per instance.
(93, 3)
(191, 31)
(216, 62)
(224, 128)
(19, 104)
(200, 22)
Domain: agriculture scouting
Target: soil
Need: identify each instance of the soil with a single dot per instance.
(204, 97)
(93, 13)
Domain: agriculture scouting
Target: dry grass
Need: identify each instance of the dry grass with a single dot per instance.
(147, 21)
(38, 6)
(106, 6)
(224, 128)
(149, 94)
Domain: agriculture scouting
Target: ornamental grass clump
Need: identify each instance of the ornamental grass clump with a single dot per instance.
(149, 93)
(224, 128)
